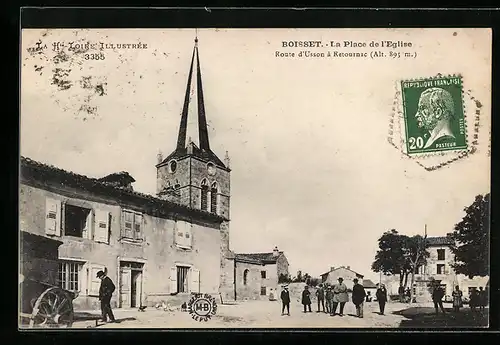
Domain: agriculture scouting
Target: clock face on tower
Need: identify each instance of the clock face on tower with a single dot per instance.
(211, 169)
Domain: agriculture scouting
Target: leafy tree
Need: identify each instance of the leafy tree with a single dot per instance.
(400, 254)
(416, 254)
(471, 237)
(390, 258)
(313, 281)
(284, 278)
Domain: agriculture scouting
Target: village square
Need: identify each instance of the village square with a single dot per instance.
(96, 253)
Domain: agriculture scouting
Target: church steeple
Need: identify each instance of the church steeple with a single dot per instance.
(192, 174)
(202, 120)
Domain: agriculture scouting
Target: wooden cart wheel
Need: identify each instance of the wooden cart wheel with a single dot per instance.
(53, 309)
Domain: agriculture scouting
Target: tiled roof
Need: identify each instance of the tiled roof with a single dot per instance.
(337, 268)
(439, 241)
(258, 257)
(367, 283)
(33, 170)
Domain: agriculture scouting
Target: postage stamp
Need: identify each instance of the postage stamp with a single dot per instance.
(433, 114)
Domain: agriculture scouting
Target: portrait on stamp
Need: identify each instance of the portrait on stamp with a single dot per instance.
(434, 115)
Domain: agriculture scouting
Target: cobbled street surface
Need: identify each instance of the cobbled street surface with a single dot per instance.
(267, 314)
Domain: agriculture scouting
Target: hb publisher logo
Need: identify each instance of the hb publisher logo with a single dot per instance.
(202, 307)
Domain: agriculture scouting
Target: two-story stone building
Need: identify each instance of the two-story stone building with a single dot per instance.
(151, 248)
(256, 275)
(439, 269)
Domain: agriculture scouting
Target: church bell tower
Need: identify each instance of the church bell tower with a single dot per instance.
(193, 175)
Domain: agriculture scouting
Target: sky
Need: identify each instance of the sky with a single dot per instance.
(312, 170)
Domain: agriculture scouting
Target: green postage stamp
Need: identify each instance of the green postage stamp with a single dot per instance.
(433, 112)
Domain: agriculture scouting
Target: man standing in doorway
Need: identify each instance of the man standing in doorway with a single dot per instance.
(105, 292)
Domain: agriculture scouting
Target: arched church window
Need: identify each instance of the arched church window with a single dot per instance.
(245, 277)
(213, 197)
(204, 195)
(177, 184)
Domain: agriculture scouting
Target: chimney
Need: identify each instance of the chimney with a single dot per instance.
(227, 161)
(276, 252)
(332, 268)
(159, 157)
(348, 267)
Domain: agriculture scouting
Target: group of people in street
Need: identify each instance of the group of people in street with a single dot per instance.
(477, 299)
(329, 298)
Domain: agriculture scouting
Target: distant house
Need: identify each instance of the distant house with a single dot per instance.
(331, 277)
(370, 287)
(256, 274)
(438, 269)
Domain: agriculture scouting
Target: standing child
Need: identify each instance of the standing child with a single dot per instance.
(457, 299)
(320, 295)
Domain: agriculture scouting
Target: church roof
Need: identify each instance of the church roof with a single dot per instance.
(205, 155)
(203, 151)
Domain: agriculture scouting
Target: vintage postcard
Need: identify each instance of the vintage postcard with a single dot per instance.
(254, 178)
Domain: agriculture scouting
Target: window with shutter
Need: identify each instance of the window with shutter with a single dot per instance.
(101, 227)
(173, 280)
(183, 234)
(138, 226)
(52, 217)
(127, 224)
(195, 280)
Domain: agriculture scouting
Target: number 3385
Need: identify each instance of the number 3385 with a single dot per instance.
(99, 56)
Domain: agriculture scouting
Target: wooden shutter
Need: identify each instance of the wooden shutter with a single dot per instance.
(127, 224)
(87, 230)
(52, 217)
(94, 282)
(138, 226)
(195, 280)
(173, 280)
(101, 227)
(84, 279)
(180, 233)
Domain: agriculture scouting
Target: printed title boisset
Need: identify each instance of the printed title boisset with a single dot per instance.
(155, 248)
